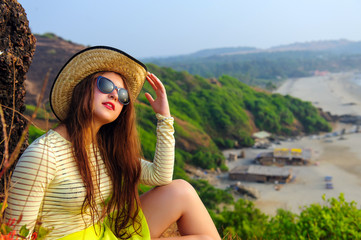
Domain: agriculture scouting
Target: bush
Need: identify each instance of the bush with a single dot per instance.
(206, 159)
(335, 219)
(245, 221)
(210, 195)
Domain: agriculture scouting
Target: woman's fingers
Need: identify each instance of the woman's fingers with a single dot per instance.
(149, 97)
(160, 103)
(155, 83)
(150, 79)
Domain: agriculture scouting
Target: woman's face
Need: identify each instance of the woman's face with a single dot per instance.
(106, 106)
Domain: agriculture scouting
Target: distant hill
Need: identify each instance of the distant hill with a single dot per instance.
(263, 66)
(51, 54)
(221, 51)
(338, 46)
(341, 46)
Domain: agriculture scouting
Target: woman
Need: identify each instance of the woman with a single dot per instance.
(79, 181)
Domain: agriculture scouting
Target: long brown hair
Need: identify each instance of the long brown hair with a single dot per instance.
(119, 148)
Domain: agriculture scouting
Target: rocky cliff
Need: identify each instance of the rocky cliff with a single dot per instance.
(17, 46)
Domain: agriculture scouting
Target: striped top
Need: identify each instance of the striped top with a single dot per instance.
(46, 181)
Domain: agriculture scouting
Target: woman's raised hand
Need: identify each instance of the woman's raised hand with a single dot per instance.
(160, 104)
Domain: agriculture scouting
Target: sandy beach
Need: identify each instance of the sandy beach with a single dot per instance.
(334, 156)
(335, 93)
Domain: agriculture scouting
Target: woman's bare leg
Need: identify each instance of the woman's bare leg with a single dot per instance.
(177, 202)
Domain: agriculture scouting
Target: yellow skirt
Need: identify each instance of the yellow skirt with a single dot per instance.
(103, 232)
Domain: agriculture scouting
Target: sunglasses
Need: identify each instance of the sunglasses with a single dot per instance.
(106, 86)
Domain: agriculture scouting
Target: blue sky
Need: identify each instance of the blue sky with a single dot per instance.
(146, 28)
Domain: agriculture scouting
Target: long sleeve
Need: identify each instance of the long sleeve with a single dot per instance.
(160, 171)
(34, 171)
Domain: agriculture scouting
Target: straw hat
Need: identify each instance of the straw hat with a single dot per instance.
(89, 61)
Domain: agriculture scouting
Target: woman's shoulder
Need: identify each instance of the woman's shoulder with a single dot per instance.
(45, 149)
(50, 137)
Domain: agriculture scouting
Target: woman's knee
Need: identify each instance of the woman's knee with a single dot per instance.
(181, 189)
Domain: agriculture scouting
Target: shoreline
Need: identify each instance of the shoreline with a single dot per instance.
(337, 157)
(336, 93)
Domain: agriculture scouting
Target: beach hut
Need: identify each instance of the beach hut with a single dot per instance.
(263, 174)
(284, 156)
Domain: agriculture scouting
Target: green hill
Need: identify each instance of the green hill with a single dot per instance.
(211, 114)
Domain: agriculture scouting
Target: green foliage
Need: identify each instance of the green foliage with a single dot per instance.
(206, 159)
(245, 221)
(24, 231)
(270, 86)
(143, 188)
(335, 219)
(224, 143)
(307, 115)
(49, 35)
(179, 173)
(283, 225)
(5, 229)
(223, 167)
(41, 112)
(43, 232)
(34, 133)
(2, 204)
(146, 130)
(211, 196)
(276, 113)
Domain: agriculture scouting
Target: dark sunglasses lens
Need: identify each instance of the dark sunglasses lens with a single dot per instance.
(123, 96)
(105, 85)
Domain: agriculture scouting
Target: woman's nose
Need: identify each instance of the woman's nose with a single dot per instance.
(114, 94)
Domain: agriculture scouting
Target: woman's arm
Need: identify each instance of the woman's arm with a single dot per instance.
(34, 171)
(160, 171)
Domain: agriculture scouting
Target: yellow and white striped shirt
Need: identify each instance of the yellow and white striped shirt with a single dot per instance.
(46, 181)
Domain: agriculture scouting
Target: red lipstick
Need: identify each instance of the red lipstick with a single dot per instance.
(109, 105)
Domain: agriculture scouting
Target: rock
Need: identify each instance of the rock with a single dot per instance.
(17, 46)
(245, 190)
